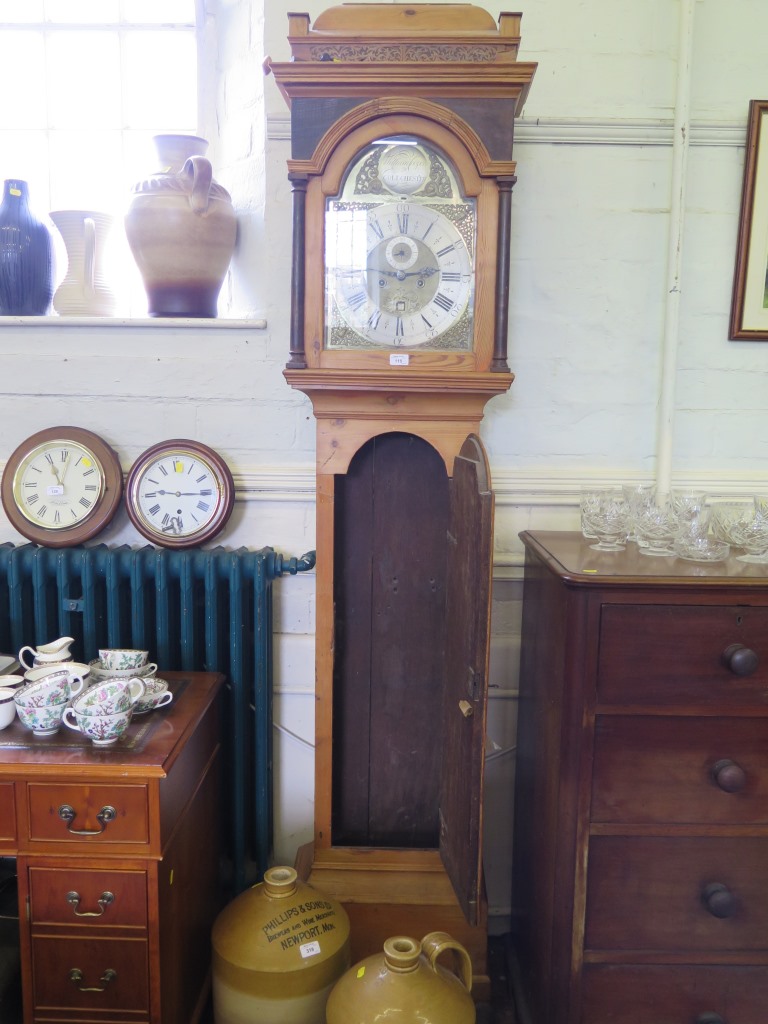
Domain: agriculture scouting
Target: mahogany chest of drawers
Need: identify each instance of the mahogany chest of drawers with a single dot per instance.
(117, 853)
(640, 878)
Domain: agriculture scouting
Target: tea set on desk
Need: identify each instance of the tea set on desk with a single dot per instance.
(98, 699)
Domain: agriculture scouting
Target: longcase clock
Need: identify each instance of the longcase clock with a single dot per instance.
(402, 123)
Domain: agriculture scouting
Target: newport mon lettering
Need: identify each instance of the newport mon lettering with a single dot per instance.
(300, 937)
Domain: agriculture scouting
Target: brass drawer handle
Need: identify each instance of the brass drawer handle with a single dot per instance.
(105, 815)
(740, 660)
(729, 776)
(76, 976)
(719, 900)
(103, 901)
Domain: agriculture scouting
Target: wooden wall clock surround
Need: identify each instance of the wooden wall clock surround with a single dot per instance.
(402, 123)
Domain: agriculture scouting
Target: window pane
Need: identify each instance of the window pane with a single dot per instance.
(29, 10)
(140, 159)
(155, 98)
(25, 156)
(88, 175)
(159, 11)
(79, 12)
(84, 77)
(23, 105)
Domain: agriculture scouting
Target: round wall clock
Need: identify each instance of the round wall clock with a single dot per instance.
(400, 252)
(179, 493)
(61, 486)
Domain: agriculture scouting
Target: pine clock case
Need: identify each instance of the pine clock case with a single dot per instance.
(403, 611)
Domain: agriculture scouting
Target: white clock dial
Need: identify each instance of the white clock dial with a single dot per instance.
(58, 484)
(177, 495)
(414, 278)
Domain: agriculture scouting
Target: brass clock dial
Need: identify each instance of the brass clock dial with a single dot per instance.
(61, 486)
(179, 493)
(400, 252)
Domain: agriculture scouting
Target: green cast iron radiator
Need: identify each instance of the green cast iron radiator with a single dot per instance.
(193, 610)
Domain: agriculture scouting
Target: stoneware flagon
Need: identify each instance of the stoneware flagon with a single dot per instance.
(182, 229)
(278, 949)
(404, 984)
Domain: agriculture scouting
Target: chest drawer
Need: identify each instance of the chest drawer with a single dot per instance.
(97, 815)
(655, 994)
(102, 976)
(655, 769)
(88, 896)
(658, 894)
(674, 654)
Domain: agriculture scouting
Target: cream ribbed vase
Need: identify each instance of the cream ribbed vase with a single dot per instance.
(84, 290)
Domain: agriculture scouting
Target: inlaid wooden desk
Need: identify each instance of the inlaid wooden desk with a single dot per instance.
(118, 862)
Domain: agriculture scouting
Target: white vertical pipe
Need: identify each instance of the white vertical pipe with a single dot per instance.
(680, 144)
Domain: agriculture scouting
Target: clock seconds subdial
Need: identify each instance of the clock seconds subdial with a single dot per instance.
(417, 280)
(58, 484)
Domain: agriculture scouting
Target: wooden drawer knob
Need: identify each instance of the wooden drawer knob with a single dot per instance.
(740, 660)
(729, 776)
(719, 900)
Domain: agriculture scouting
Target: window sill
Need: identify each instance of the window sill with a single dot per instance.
(115, 321)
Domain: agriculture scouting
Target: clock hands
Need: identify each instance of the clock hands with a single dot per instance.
(402, 274)
(178, 494)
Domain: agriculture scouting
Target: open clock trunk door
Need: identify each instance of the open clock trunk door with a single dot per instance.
(468, 612)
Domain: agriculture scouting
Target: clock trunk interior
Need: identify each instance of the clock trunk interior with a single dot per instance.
(391, 526)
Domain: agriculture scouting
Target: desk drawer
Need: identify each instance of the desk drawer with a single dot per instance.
(651, 894)
(674, 995)
(7, 814)
(707, 770)
(89, 896)
(669, 654)
(97, 815)
(97, 975)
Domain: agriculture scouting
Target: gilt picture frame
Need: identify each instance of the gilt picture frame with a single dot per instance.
(749, 305)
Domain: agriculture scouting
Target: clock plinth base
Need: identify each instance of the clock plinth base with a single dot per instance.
(389, 892)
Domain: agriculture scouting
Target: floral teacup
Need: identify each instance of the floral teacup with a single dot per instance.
(122, 657)
(156, 695)
(102, 729)
(109, 697)
(49, 687)
(42, 720)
